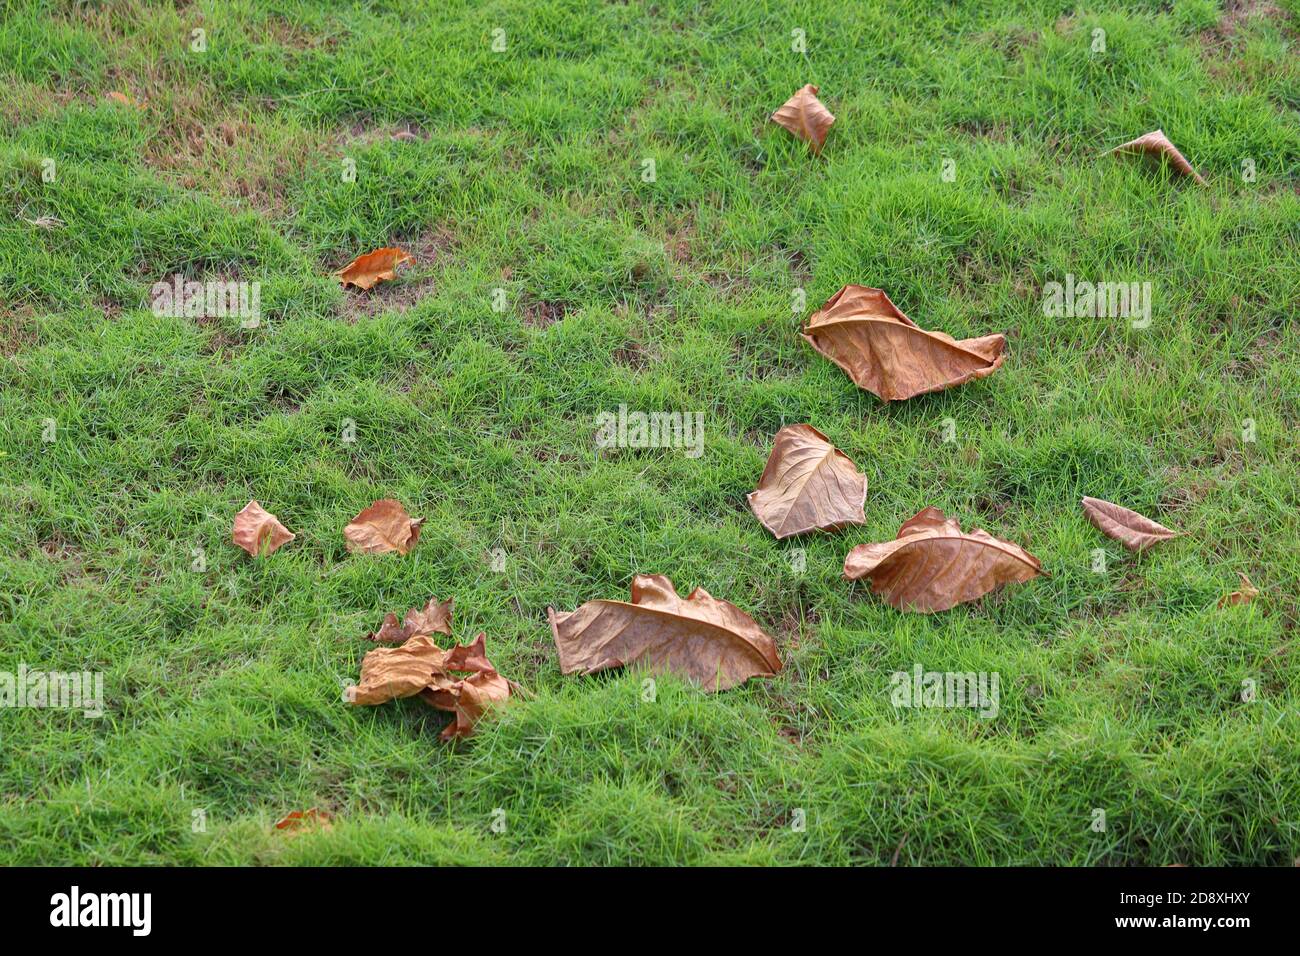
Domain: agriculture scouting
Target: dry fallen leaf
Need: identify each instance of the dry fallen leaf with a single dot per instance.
(258, 531)
(1134, 531)
(808, 485)
(119, 97)
(421, 667)
(805, 116)
(702, 639)
(46, 222)
(382, 528)
(1245, 595)
(1157, 144)
(468, 697)
(435, 618)
(933, 565)
(369, 270)
(885, 352)
(299, 819)
(388, 673)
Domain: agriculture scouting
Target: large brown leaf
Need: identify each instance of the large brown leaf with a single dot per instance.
(258, 531)
(805, 116)
(808, 485)
(1157, 144)
(933, 565)
(382, 528)
(702, 639)
(885, 352)
(434, 618)
(367, 271)
(1136, 532)
(421, 667)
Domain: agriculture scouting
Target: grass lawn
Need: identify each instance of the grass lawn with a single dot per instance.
(1121, 691)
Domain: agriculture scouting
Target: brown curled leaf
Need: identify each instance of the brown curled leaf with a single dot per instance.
(1157, 144)
(933, 565)
(390, 673)
(702, 639)
(805, 116)
(1136, 532)
(1244, 595)
(258, 531)
(889, 355)
(382, 528)
(808, 485)
(300, 819)
(434, 618)
(367, 271)
(467, 698)
(421, 667)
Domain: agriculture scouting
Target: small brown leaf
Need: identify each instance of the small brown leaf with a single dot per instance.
(421, 667)
(466, 697)
(124, 99)
(46, 222)
(1157, 144)
(702, 639)
(299, 819)
(886, 353)
(434, 619)
(933, 565)
(382, 528)
(369, 270)
(805, 116)
(1245, 595)
(1134, 531)
(808, 485)
(258, 531)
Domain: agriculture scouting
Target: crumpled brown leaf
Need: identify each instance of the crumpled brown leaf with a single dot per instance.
(933, 565)
(435, 618)
(889, 355)
(367, 271)
(1157, 144)
(808, 485)
(1136, 532)
(1247, 593)
(382, 528)
(299, 819)
(421, 667)
(388, 673)
(258, 531)
(805, 116)
(702, 639)
(468, 697)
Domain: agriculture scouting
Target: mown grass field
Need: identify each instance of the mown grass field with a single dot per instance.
(1120, 691)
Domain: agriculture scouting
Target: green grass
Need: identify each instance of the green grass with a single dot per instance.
(1120, 691)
